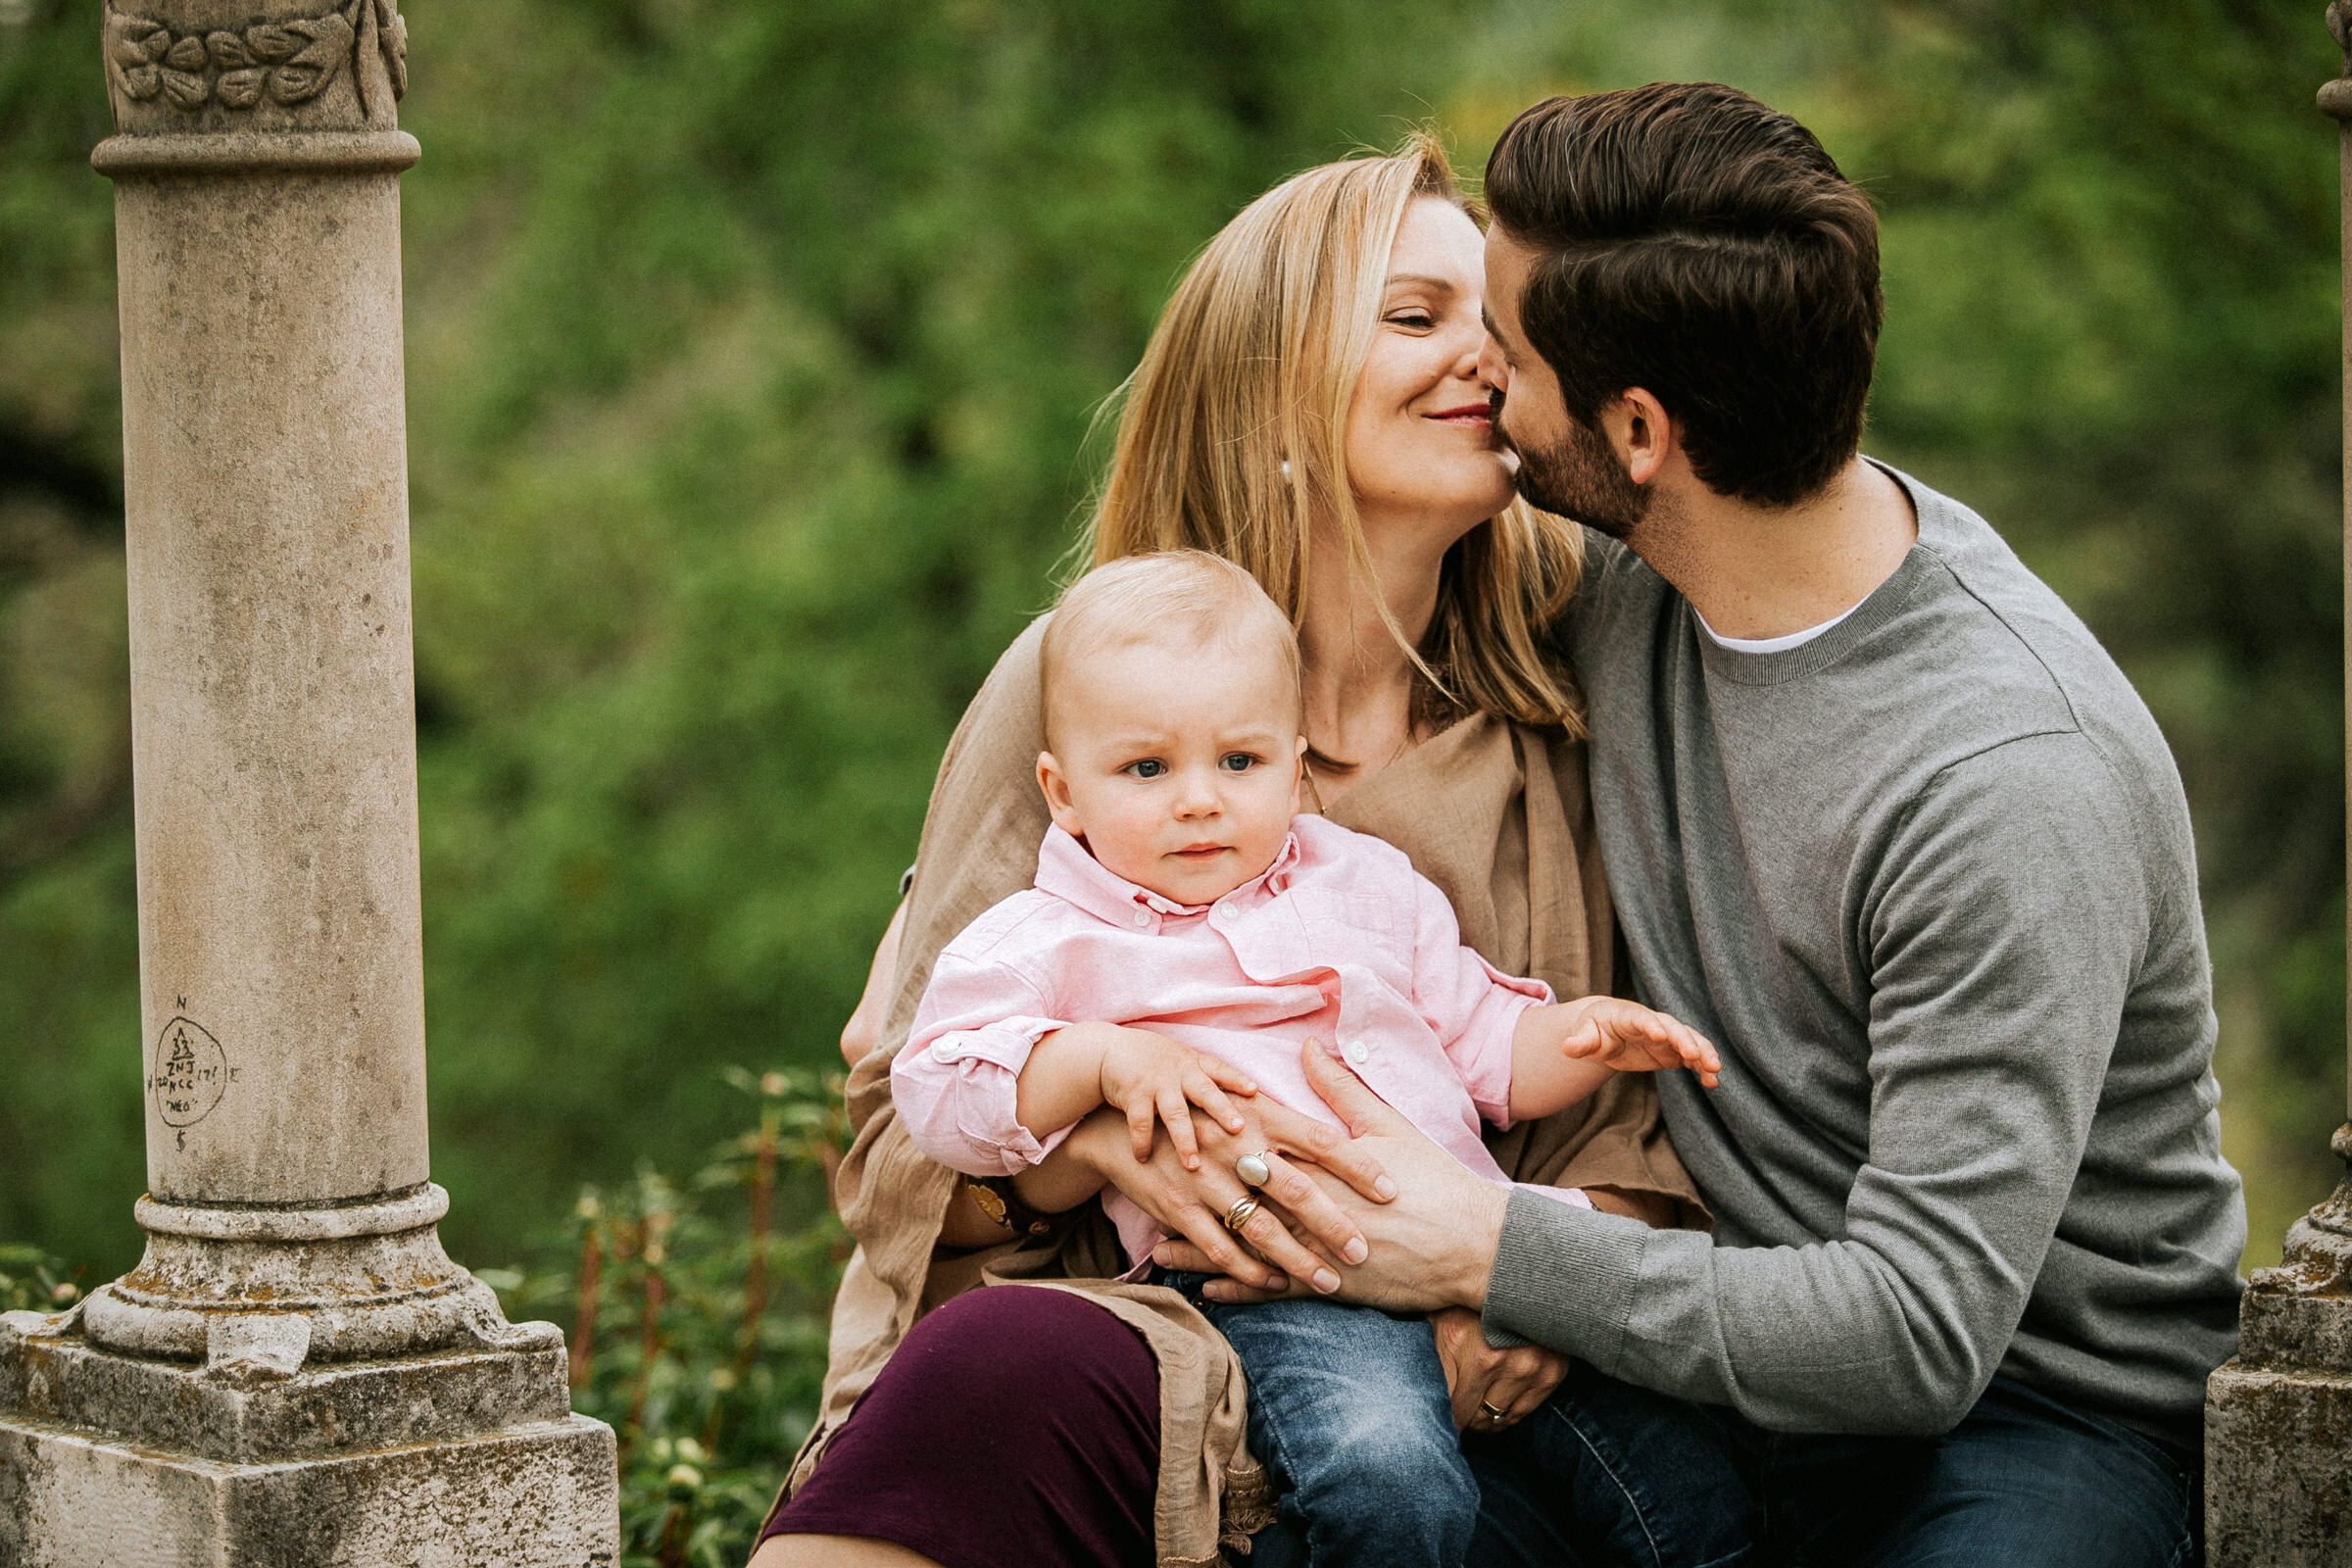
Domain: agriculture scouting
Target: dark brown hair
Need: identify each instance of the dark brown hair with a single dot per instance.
(1702, 246)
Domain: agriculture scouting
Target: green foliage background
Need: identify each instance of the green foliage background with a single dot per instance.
(752, 352)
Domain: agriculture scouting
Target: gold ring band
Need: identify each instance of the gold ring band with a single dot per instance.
(1493, 1416)
(1238, 1214)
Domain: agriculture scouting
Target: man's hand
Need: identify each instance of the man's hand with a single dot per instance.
(1433, 1246)
(1193, 1203)
(1482, 1379)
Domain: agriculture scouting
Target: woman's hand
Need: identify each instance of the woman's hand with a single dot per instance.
(1432, 1247)
(1194, 1203)
(1482, 1380)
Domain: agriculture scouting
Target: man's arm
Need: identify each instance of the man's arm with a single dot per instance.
(2003, 942)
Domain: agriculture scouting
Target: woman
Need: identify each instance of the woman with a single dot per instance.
(1310, 408)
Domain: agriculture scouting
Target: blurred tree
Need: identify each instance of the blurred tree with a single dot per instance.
(753, 352)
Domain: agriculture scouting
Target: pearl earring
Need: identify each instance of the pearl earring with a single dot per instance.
(1285, 470)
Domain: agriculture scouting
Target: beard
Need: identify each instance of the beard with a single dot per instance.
(1577, 476)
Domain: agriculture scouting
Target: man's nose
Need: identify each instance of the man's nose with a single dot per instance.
(1491, 370)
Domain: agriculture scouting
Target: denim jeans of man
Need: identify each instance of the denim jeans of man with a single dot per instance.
(1607, 1473)
(1348, 1414)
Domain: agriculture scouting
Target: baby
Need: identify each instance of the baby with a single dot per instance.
(1180, 895)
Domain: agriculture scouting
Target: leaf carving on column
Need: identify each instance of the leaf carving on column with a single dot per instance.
(383, 38)
(133, 46)
(184, 89)
(240, 89)
(392, 37)
(292, 61)
(306, 75)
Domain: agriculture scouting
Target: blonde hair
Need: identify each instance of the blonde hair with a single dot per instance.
(1141, 599)
(1230, 435)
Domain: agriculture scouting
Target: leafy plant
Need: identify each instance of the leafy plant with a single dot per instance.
(31, 1281)
(697, 1323)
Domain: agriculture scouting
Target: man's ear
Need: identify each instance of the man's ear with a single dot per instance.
(1057, 791)
(1642, 433)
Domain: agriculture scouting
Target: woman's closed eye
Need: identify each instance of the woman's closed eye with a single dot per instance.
(1416, 320)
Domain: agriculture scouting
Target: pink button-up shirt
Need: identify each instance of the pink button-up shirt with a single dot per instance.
(1340, 943)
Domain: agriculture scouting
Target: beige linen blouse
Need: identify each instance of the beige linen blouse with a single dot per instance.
(1493, 813)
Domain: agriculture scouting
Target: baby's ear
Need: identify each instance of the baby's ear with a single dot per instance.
(1057, 791)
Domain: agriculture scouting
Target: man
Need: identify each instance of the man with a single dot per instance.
(1885, 824)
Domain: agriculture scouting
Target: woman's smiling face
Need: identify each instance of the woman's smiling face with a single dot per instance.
(1421, 448)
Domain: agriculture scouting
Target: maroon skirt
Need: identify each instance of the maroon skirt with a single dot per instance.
(1013, 1428)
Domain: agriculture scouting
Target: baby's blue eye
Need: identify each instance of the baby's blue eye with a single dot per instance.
(1237, 761)
(1148, 767)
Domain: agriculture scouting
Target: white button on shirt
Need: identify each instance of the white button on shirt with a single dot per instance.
(1143, 918)
(1356, 1052)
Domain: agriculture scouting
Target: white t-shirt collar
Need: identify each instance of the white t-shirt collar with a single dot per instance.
(1770, 645)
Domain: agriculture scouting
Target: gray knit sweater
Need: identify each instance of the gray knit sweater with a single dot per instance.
(1927, 881)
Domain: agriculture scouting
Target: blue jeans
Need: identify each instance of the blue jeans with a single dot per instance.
(1348, 1413)
(1607, 1473)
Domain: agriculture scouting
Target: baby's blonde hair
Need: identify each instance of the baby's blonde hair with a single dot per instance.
(1186, 594)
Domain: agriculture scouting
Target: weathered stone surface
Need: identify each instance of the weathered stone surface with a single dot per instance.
(270, 1289)
(243, 65)
(2278, 1416)
(2279, 1469)
(273, 717)
(50, 1372)
(534, 1494)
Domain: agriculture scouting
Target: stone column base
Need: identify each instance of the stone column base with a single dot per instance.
(463, 1458)
(2278, 1468)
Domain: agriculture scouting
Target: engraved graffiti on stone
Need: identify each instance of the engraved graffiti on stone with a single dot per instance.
(291, 60)
(188, 1074)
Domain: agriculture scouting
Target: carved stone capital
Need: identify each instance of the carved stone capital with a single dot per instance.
(225, 67)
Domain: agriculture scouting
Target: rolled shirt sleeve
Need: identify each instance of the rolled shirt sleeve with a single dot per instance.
(955, 1083)
(1473, 1007)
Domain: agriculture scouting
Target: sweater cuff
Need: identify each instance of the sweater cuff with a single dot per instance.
(1564, 1277)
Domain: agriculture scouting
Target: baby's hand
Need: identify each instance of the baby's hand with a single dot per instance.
(1151, 1078)
(1631, 1037)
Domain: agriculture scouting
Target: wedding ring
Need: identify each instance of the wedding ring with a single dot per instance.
(1495, 1417)
(1253, 1169)
(1238, 1214)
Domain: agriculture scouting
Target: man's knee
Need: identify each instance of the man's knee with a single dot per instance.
(1625, 1474)
(2028, 1481)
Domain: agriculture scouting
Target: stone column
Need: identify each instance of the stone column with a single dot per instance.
(294, 1372)
(2278, 1416)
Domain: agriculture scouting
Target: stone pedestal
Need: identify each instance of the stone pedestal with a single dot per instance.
(2278, 1416)
(294, 1372)
(460, 1457)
